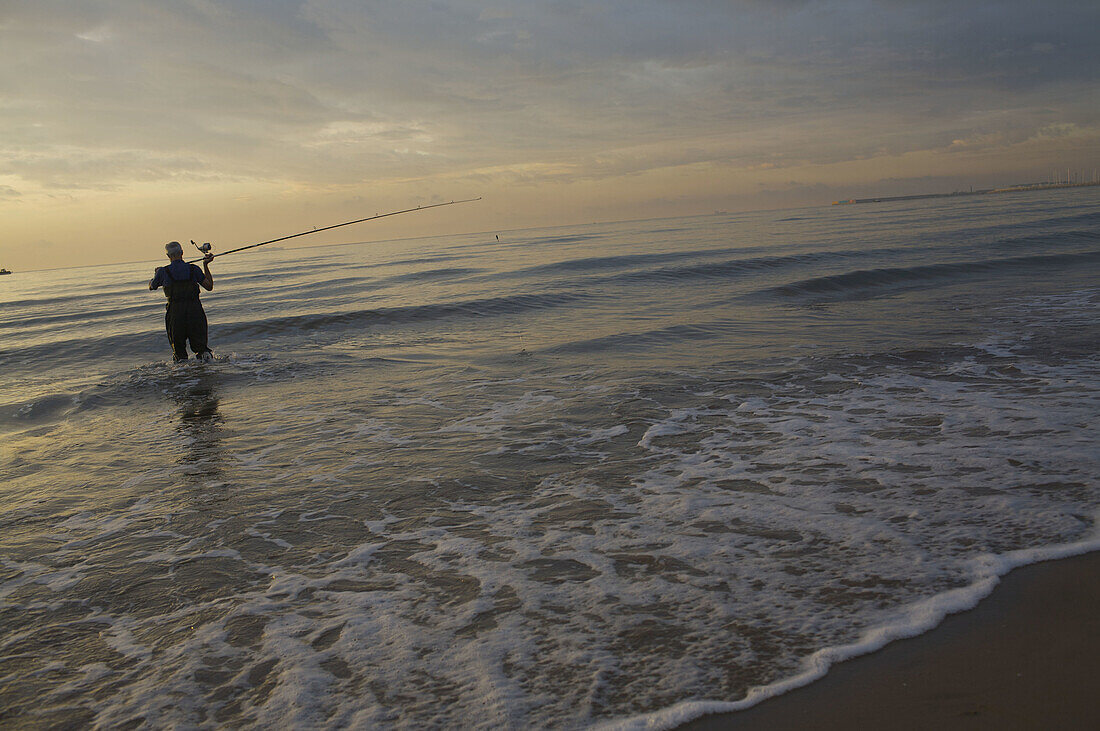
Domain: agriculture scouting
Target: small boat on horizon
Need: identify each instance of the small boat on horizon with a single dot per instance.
(5, 271)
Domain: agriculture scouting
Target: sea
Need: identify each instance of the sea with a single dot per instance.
(613, 475)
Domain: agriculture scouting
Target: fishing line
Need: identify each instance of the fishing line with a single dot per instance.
(205, 248)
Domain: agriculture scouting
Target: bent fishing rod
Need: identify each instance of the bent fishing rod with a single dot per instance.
(205, 248)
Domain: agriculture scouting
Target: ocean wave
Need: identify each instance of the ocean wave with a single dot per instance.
(566, 239)
(732, 268)
(595, 263)
(150, 343)
(428, 275)
(1047, 231)
(590, 268)
(155, 382)
(37, 410)
(476, 308)
(416, 260)
(648, 339)
(1047, 240)
(873, 282)
(52, 302)
(323, 287)
(69, 316)
(82, 349)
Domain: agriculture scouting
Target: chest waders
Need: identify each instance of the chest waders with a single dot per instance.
(184, 320)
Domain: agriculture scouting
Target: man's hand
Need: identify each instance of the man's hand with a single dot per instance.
(208, 281)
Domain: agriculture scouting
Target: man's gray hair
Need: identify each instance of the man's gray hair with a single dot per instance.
(172, 247)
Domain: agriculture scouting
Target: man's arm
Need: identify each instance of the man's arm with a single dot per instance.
(155, 281)
(208, 282)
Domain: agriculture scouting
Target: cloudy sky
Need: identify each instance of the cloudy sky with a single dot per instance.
(124, 124)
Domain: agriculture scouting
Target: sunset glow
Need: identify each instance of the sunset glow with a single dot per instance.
(126, 124)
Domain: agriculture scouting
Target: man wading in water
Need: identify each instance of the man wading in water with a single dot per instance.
(185, 319)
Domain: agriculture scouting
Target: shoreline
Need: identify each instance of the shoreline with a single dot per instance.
(1026, 657)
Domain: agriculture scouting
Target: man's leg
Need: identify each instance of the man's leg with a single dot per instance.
(197, 329)
(175, 324)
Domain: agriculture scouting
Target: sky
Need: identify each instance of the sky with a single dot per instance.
(125, 124)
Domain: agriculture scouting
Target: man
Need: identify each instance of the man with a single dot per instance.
(185, 319)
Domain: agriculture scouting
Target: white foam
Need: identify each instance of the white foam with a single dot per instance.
(55, 579)
(672, 426)
(121, 640)
(602, 435)
(496, 417)
(484, 565)
(268, 537)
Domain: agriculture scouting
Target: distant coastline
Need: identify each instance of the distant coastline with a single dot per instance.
(986, 191)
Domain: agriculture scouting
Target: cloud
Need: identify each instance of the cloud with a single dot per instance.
(340, 92)
(77, 168)
(1059, 130)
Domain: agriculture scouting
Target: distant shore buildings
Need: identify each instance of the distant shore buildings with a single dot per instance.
(1071, 181)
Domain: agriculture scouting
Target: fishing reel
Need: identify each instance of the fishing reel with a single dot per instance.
(204, 249)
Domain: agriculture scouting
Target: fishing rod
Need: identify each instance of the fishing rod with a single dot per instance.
(205, 248)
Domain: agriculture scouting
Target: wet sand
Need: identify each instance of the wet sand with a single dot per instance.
(1028, 657)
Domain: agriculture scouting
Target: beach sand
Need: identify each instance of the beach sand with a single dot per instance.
(1028, 657)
